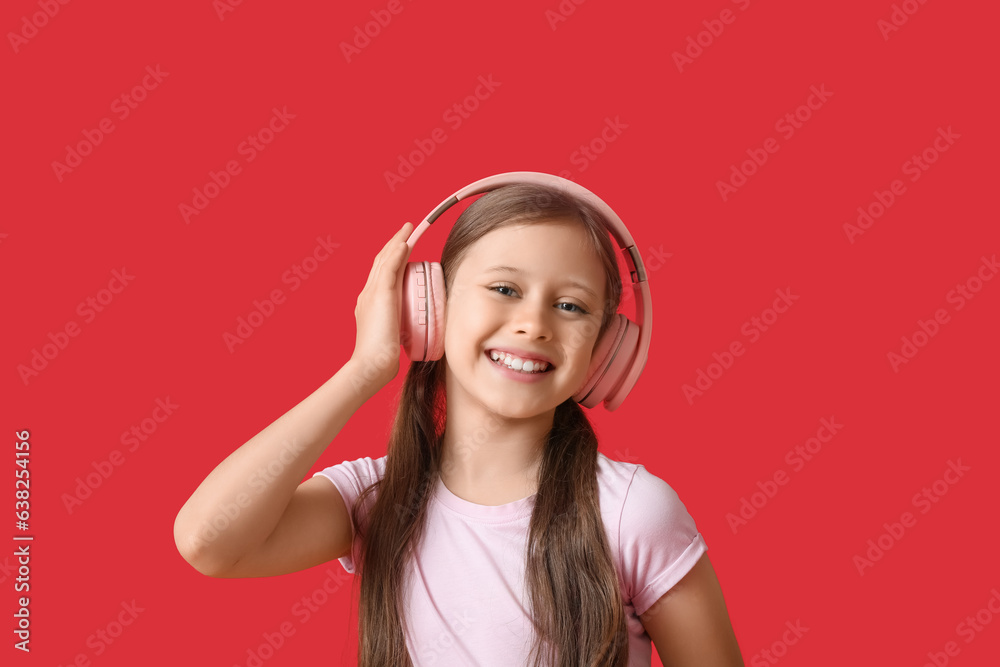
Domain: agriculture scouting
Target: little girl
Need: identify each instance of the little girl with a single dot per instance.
(493, 532)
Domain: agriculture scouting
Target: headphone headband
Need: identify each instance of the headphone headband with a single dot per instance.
(617, 229)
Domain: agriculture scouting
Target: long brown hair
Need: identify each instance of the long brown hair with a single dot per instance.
(577, 608)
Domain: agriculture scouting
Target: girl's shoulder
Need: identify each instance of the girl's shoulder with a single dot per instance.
(613, 472)
(356, 475)
(654, 538)
(635, 494)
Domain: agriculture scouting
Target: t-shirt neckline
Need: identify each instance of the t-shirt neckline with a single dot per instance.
(507, 511)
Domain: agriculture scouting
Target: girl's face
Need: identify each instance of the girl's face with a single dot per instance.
(536, 308)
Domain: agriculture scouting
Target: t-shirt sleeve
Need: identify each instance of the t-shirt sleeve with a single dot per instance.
(658, 539)
(351, 478)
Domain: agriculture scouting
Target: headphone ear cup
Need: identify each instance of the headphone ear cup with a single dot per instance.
(612, 358)
(421, 319)
(435, 332)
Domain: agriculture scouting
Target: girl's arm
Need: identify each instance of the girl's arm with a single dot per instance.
(232, 513)
(690, 625)
(250, 517)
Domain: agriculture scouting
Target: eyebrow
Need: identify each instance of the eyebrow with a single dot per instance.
(511, 269)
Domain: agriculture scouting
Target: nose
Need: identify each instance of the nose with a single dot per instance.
(533, 318)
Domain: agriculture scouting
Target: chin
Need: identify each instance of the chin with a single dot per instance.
(523, 409)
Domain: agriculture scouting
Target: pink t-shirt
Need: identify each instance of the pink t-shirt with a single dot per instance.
(467, 605)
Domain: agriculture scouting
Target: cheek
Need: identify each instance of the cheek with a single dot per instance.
(579, 343)
(459, 327)
(469, 312)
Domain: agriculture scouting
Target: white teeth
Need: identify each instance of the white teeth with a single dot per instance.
(517, 364)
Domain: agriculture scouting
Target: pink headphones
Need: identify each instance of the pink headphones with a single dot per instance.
(619, 356)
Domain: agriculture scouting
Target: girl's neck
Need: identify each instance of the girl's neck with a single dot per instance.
(494, 491)
(496, 463)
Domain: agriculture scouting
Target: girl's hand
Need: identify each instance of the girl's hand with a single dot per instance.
(377, 347)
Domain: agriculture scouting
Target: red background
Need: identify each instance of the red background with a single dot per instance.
(324, 176)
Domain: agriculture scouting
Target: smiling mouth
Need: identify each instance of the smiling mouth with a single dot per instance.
(499, 362)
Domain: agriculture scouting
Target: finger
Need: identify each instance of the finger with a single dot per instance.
(398, 243)
(400, 271)
(395, 266)
(402, 233)
(388, 252)
(389, 247)
(408, 229)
